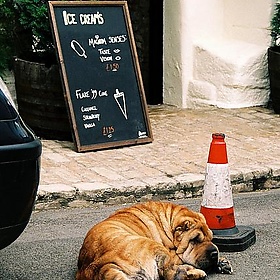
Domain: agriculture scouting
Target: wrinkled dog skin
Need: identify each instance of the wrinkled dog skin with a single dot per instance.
(153, 240)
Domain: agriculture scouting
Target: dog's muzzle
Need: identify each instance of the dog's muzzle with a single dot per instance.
(210, 259)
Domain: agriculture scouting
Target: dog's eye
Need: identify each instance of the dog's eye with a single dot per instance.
(179, 228)
(184, 227)
(198, 239)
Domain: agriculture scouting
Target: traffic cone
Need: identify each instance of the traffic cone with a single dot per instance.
(217, 201)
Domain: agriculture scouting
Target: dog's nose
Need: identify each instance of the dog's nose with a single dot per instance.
(210, 259)
(214, 255)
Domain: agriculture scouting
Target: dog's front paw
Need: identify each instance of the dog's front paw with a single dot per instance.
(224, 266)
(196, 274)
(187, 272)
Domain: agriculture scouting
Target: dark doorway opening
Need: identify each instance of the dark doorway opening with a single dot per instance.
(155, 85)
(147, 23)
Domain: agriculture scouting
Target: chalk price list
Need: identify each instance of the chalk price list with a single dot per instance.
(90, 114)
(110, 56)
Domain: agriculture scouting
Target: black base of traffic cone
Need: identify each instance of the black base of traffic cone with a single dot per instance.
(235, 239)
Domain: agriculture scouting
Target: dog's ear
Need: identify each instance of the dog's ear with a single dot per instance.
(88, 272)
(182, 235)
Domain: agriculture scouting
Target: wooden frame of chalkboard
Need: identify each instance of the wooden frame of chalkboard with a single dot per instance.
(101, 74)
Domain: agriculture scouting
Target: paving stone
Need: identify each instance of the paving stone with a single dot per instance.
(173, 165)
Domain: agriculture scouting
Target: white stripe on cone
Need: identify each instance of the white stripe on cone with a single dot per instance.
(217, 191)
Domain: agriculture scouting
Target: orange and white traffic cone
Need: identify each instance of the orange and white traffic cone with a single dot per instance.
(217, 201)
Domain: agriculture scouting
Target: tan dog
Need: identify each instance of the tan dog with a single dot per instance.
(153, 240)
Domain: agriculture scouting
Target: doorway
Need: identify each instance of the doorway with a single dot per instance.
(147, 23)
(155, 88)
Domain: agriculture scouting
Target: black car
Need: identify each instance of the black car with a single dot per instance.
(20, 154)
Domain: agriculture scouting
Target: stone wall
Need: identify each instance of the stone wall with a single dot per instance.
(215, 52)
(228, 74)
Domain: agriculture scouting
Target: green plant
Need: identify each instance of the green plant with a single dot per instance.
(25, 31)
(275, 26)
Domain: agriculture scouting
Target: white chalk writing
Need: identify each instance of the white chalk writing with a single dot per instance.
(104, 51)
(90, 94)
(82, 94)
(69, 18)
(117, 39)
(91, 117)
(84, 19)
(91, 19)
(88, 109)
(97, 40)
(98, 93)
(89, 125)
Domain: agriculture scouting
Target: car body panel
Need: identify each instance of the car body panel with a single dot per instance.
(20, 154)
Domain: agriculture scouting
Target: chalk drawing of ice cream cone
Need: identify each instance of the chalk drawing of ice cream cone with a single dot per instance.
(120, 99)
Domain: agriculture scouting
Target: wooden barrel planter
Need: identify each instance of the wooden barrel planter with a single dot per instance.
(40, 99)
(274, 77)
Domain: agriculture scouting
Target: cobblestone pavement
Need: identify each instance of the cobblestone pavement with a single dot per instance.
(172, 166)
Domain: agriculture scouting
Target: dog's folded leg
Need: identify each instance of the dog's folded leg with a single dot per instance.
(112, 271)
(171, 270)
(185, 272)
(109, 271)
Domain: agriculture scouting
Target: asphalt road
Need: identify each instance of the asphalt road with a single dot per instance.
(48, 248)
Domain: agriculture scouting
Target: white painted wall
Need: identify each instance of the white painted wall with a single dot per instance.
(215, 52)
(248, 20)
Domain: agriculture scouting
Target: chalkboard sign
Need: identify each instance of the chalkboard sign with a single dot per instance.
(101, 73)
